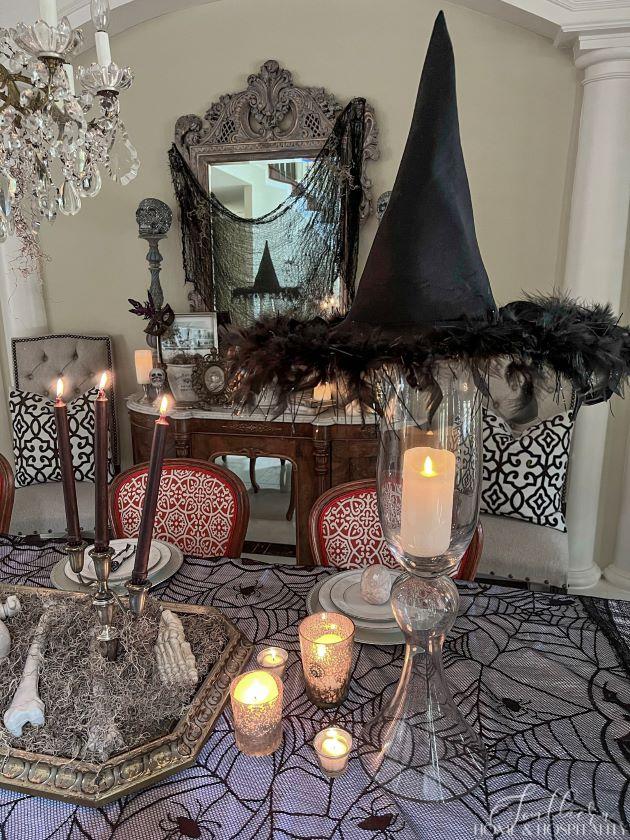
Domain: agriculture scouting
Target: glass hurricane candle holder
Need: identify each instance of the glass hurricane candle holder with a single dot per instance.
(256, 699)
(326, 641)
(420, 747)
(332, 747)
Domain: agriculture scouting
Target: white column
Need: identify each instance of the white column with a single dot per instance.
(594, 269)
(618, 573)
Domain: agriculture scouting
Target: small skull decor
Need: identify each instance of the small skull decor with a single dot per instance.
(154, 218)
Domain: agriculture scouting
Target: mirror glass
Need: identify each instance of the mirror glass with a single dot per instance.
(252, 188)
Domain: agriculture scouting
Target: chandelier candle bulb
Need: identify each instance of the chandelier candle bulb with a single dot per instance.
(101, 453)
(103, 50)
(256, 699)
(67, 468)
(273, 660)
(144, 366)
(326, 643)
(428, 484)
(48, 12)
(332, 747)
(145, 534)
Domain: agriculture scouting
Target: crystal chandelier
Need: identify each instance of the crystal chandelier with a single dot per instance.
(55, 142)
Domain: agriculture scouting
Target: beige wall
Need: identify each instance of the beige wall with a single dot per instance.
(517, 97)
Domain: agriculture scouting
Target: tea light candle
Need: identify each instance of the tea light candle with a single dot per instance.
(332, 746)
(273, 659)
(257, 710)
(326, 645)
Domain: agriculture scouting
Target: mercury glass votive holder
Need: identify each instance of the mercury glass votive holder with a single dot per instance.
(256, 699)
(326, 641)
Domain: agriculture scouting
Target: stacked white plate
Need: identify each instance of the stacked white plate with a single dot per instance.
(164, 560)
(375, 623)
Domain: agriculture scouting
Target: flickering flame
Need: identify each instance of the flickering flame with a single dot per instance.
(164, 405)
(428, 470)
(59, 388)
(103, 383)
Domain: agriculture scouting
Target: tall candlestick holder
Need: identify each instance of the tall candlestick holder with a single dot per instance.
(104, 601)
(138, 596)
(76, 556)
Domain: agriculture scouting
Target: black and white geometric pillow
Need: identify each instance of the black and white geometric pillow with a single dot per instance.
(525, 476)
(35, 437)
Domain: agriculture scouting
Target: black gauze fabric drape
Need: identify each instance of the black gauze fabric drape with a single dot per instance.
(312, 236)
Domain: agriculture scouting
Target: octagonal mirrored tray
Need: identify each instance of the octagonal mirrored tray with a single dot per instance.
(95, 784)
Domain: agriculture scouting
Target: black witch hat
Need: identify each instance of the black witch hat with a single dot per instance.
(266, 283)
(424, 296)
(424, 267)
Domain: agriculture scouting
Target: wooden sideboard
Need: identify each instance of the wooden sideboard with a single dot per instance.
(325, 450)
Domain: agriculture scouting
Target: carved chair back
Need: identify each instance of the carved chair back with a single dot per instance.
(345, 531)
(7, 495)
(202, 508)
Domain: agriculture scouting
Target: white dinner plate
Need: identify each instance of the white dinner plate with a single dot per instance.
(329, 605)
(158, 574)
(365, 635)
(346, 594)
(159, 555)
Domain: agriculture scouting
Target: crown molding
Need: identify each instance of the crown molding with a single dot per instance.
(562, 21)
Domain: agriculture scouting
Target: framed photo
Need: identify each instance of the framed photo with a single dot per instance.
(195, 334)
(209, 380)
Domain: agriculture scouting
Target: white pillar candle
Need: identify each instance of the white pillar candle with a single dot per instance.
(273, 659)
(103, 51)
(428, 482)
(144, 365)
(332, 746)
(48, 11)
(322, 392)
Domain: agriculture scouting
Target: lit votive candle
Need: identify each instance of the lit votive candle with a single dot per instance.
(326, 645)
(332, 746)
(273, 659)
(257, 710)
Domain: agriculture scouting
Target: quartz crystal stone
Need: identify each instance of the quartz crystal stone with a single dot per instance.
(376, 584)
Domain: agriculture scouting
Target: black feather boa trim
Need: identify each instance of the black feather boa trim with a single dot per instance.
(580, 343)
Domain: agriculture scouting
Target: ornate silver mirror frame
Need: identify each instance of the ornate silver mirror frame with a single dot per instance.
(271, 117)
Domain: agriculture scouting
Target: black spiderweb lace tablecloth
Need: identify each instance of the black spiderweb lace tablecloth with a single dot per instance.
(534, 672)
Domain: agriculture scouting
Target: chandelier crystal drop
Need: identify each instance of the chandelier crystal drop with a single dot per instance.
(54, 141)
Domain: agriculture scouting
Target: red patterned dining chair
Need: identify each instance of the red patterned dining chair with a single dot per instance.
(345, 531)
(202, 508)
(7, 495)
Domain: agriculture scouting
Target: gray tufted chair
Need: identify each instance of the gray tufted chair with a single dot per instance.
(514, 549)
(37, 364)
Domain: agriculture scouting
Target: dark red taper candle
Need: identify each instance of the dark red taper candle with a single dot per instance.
(147, 521)
(101, 452)
(67, 468)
